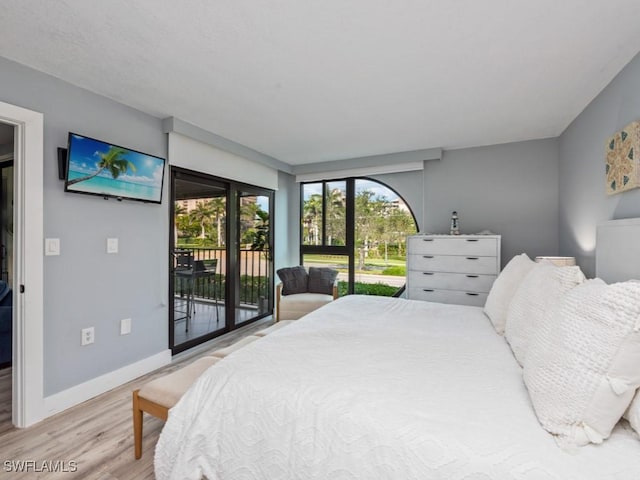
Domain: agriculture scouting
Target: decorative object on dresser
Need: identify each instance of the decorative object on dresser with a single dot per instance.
(456, 269)
(455, 224)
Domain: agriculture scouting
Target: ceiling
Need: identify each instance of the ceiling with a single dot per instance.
(316, 80)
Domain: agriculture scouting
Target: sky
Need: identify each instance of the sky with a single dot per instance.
(378, 189)
(85, 157)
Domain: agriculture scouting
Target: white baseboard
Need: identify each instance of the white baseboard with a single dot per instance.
(80, 393)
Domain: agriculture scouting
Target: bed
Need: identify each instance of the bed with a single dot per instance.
(369, 388)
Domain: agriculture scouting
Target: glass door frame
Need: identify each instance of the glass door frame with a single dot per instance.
(263, 192)
(232, 257)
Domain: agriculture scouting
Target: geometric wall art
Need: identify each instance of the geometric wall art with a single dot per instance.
(622, 159)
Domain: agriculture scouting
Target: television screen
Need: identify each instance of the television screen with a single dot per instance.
(107, 170)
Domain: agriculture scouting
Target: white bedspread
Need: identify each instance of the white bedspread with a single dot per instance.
(375, 388)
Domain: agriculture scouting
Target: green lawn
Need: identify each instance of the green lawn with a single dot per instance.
(374, 266)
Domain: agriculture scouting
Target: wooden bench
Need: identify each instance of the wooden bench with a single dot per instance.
(158, 396)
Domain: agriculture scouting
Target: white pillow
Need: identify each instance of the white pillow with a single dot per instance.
(633, 413)
(504, 288)
(543, 286)
(582, 368)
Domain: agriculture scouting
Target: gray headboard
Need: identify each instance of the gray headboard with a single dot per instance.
(618, 250)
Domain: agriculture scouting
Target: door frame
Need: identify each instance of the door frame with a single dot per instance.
(235, 230)
(232, 241)
(28, 264)
(190, 175)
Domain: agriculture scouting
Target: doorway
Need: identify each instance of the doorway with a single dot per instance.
(220, 261)
(6, 269)
(27, 360)
(6, 203)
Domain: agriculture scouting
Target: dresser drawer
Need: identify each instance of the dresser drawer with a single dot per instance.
(447, 245)
(448, 296)
(469, 282)
(453, 264)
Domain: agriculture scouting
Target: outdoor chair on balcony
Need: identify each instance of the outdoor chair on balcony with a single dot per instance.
(206, 269)
(184, 284)
(197, 281)
(302, 292)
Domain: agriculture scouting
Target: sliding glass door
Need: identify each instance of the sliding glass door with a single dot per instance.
(254, 255)
(198, 260)
(220, 257)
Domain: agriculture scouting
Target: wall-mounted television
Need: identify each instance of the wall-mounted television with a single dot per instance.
(99, 168)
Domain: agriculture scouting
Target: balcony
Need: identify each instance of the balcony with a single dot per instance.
(200, 299)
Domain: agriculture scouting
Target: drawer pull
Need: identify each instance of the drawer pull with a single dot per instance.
(472, 294)
(427, 273)
(472, 239)
(472, 276)
(427, 239)
(473, 258)
(427, 256)
(427, 290)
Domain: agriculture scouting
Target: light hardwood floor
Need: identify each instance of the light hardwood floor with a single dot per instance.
(98, 434)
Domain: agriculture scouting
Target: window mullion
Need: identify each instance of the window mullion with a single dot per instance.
(324, 213)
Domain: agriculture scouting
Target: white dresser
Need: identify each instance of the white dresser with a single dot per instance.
(452, 268)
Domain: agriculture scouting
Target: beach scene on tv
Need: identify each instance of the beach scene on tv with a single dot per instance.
(104, 169)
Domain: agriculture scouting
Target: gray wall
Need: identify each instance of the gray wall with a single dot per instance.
(409, 186)
(583, 201)
(287, 222)
(510, 189)
(84, 286)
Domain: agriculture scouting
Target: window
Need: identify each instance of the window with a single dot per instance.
(324, 209)
(358, 226)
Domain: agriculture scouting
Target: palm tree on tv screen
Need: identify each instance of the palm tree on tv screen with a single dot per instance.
(113, 161)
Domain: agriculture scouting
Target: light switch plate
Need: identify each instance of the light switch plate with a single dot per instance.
(51, 246)
(125, 326)
(112, 245)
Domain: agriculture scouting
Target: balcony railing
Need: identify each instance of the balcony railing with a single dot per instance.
(254, 276)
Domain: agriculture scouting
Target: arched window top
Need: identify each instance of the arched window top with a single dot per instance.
(360, 226)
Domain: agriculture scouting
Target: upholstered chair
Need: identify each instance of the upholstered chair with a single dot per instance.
(302, 292)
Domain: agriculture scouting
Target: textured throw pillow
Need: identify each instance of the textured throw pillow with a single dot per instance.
(321, 280)
(504, 288)
(294, 280)
(633, 413)
(582, 366)
(543, 286)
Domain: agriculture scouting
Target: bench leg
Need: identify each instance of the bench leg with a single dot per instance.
(137, 426)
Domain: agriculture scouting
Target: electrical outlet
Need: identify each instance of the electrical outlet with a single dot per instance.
(112, 245)
(125, 326)
(88, 336)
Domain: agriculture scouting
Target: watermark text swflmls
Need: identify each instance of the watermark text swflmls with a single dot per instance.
(57, 466)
